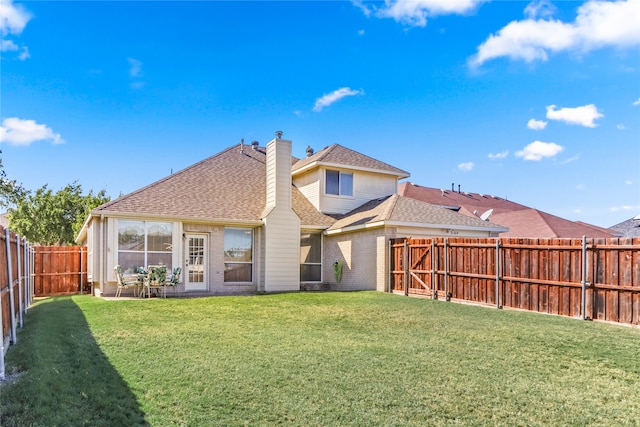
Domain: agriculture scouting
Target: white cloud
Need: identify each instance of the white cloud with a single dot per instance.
(536, 124)
(13, 19)
(135, 67)
(539, 9)
(598, 24)
(621, 126)
(538, 150)
(583, 116)
(628, 182)
(336, 95)
(17, 131)
(465, 167)
(624, 208)
(636, 103)
(415, 12)
(502, 155)
(361, 32)
(571, 159)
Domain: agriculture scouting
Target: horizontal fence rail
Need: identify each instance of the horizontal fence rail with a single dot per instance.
(586, 278)
(16, 291)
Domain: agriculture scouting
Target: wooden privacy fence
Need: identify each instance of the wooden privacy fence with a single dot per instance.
(15, 288)
(60, 270)
(587, 278)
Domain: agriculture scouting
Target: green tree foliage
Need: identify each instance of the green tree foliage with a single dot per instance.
(49, 218)
(10, 191)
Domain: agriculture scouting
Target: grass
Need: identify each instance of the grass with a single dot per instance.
(315, 359)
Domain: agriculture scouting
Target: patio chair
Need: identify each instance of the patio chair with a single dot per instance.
(123, 283)
(174, 280)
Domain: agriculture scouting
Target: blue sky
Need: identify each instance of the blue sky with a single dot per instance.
(538, 102)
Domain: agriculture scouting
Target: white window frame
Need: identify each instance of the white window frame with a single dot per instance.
(312, 263)
(341, 174)
(145, 225)
(253, 245)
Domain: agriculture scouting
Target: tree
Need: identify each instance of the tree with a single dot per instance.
(10, 191)
(48, 218)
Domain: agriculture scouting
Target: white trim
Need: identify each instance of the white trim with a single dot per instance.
(415, 225)
(348, 167)
(189, 219)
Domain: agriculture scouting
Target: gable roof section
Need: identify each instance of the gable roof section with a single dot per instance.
(399, 210)
(339, 156)
(227, 187)
(521, 220)
(628, 228)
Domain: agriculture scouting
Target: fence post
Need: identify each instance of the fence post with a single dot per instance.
(433, 268)
(390, 275)
(405, 258)
(498, 273)
(12, 318)
(25, 273)
(1, 339)
(446, 269)
(81, 285)
(19, 270)
(584, 278)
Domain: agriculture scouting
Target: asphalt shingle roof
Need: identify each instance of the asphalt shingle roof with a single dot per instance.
(337, 154)
(396, 208)
(229, 186)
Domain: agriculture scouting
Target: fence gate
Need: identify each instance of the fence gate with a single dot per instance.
(413, 269)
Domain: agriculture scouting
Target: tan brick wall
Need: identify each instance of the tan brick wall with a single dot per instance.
(365, 258)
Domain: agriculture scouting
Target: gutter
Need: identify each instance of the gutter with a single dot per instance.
(378, 224)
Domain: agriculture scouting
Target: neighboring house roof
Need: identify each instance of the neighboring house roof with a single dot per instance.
(339, 156)
(628, 228)
(4, 221)
(521, 220)
(399, 210)
(227, 187)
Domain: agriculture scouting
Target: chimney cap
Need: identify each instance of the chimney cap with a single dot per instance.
(279, 134)
(254, 145)
(309, 151)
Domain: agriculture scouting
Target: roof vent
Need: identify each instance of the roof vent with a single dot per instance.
(242, 145)
(309, 151)
(254, 145)
(279, 134)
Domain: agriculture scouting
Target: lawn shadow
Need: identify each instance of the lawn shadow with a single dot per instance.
(62, 375)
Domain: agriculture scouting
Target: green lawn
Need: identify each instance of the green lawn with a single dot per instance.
(312, 359)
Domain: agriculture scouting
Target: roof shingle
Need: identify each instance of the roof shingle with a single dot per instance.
(339, 155)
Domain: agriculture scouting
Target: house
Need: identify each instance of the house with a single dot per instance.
(256, 219)
(628, 228)
(522, 221)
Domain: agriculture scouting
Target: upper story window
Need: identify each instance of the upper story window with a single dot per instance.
(339, 183)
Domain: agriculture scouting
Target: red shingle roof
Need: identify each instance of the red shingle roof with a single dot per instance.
(521, 220)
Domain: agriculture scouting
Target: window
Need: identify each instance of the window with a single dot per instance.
(339, 183)
(238, 255)
(144, 243)
(310, 257)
